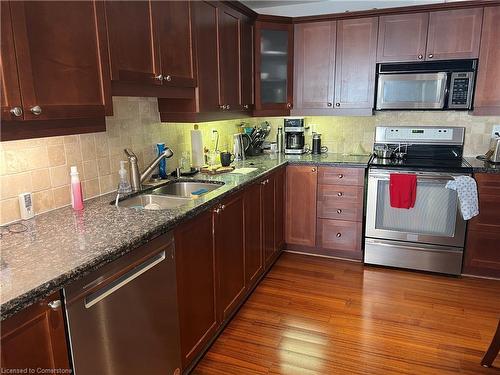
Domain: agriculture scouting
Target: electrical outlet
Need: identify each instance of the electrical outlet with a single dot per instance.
(496, 129)
(214, 134)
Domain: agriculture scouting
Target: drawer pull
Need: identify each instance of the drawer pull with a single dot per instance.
(341, 175)
(339, 194)
(339, 211)
(313, 169)
(339, 235)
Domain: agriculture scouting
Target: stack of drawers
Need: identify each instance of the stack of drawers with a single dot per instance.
(482, 248)
(340, 212)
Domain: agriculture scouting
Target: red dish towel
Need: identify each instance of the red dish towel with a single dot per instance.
(403, 190)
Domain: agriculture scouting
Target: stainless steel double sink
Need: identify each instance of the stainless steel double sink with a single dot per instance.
(170, 195)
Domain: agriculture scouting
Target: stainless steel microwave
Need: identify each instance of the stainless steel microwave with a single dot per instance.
(437, 85)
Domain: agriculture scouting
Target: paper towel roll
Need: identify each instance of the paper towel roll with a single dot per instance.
(197, 148)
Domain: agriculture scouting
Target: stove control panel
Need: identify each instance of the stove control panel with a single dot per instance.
(425, 134)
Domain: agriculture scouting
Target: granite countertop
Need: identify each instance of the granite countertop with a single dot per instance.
(63, 245)
(480, 166)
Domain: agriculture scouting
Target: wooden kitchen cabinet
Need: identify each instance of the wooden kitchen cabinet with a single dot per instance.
(279, 208)
(246, 65)
(268, 216)
(39, 98)
(254, 264)
(355, 63)
(300, 218)
(229, 255)
(196, 285)
(35, 337)
(454, 34)
(487, 95)
(402, 37)
(273, 68)
(314, 65)
(482, 257)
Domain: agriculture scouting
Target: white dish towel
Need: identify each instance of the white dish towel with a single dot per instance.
(466, 189)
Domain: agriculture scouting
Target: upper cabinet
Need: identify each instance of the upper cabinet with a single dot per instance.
(335, 67)
(224, 78)
(151, 47)
(51, 71)
(487, 99)
(273, 68)
(402, 37)
(440, 35)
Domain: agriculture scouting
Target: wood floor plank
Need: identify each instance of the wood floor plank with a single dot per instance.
(321, 316)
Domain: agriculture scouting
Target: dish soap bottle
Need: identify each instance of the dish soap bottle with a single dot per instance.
(76, 190)
(124, 185)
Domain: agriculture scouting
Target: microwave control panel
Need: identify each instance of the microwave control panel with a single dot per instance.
(461, 90)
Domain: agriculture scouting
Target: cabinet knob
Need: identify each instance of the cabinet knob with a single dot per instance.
(289, 105)
(245, 106)
(159, 77)
(341, 175)
(337, 104)
(16, 111)
(329, 104)
(339, 211)
(54, 305)
(339, 235)
(339, 194)
(227, 106)
(217, 210)
(431, 55)
(313, 169)
(223, 207)
(36, 110)
(420, 57)
(222, 106)
(168, 78)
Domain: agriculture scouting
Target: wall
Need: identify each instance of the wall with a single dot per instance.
(42, 165)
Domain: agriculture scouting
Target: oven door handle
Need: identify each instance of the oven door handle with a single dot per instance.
(385, 177)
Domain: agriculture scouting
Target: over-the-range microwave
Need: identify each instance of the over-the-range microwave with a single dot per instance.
(438, 85)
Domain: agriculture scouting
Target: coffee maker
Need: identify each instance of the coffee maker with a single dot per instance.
(294, 135)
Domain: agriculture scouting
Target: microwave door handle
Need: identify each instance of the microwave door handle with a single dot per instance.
(444, 89)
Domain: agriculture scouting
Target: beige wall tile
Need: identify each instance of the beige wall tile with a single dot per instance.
(43, 201)
(107, 185)
(59, 176)
(101, 144)
(73, 153)
(62, 196)
(89, 169)
(9, 210)
(12, 185)
(90, 188)
(103, 166)
(87, 144)
(56, 155)
(40, 179)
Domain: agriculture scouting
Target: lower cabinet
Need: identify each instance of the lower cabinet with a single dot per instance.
(267, 194)
(35, 337)
(254, 260)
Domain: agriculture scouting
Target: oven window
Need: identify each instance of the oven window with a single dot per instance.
(434, 212)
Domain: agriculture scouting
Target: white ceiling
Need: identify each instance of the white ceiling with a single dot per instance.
(315, 7)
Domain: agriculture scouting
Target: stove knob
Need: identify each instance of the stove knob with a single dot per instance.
(339, 194)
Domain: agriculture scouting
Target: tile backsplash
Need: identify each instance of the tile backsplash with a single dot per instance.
(42, 165)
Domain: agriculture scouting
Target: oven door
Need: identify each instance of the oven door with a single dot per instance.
(435, 219)
(411, 91)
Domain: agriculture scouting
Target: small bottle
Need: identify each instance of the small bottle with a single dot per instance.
(279, 140)
(76, 190)
(124, 185)
(162, 166)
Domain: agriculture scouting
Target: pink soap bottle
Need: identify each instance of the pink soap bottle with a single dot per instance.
(76, 190)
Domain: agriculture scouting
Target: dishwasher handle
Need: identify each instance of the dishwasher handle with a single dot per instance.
(100, 294)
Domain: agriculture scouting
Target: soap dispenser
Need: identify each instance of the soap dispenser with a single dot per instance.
(124, 185)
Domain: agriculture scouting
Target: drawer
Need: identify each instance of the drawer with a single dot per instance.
(489, 203)
(339, 235)
(340, 194)
(340, 211)
(482, 255)
(488, 183)
(341, 176)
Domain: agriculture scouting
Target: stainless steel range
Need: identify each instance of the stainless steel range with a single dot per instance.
(430, 236)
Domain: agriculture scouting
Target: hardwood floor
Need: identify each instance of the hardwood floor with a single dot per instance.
(320, 316)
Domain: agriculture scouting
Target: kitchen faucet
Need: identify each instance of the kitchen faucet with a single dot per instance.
(136, 177)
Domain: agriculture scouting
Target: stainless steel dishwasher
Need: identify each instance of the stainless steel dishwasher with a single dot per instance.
(123, 317)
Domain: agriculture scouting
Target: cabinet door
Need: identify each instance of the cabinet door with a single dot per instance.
(279, 209)
(487, 96)
(355, 63)
(253, 235)
(174, 25)
(229, 58)
(454, 34)
(268, 223)
(35, 337)
(246, 65)
(59, 67)
(301, 187)
(133, 51)
(273, 68)
(230, 256)
(195, 267)
(314, 64)
(10, 95)
(402, 37)
(482, 257)
(205, 16)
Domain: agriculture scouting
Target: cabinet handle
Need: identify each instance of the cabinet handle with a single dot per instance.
(159, 77)
(227, 106)
(329, 104)
(337, 104)
(217, 210)
(36, 110)
(431, 55)
(289, 105)
(341, 175)
(339, 235)
(16, 111)
(223, 207)
(339, 211)
(222, 107)
(168, 78)
(339, 194)
(420, 57)
(54, 305)
(313, 169)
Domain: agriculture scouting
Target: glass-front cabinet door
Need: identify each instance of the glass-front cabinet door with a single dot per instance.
(273, 68)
